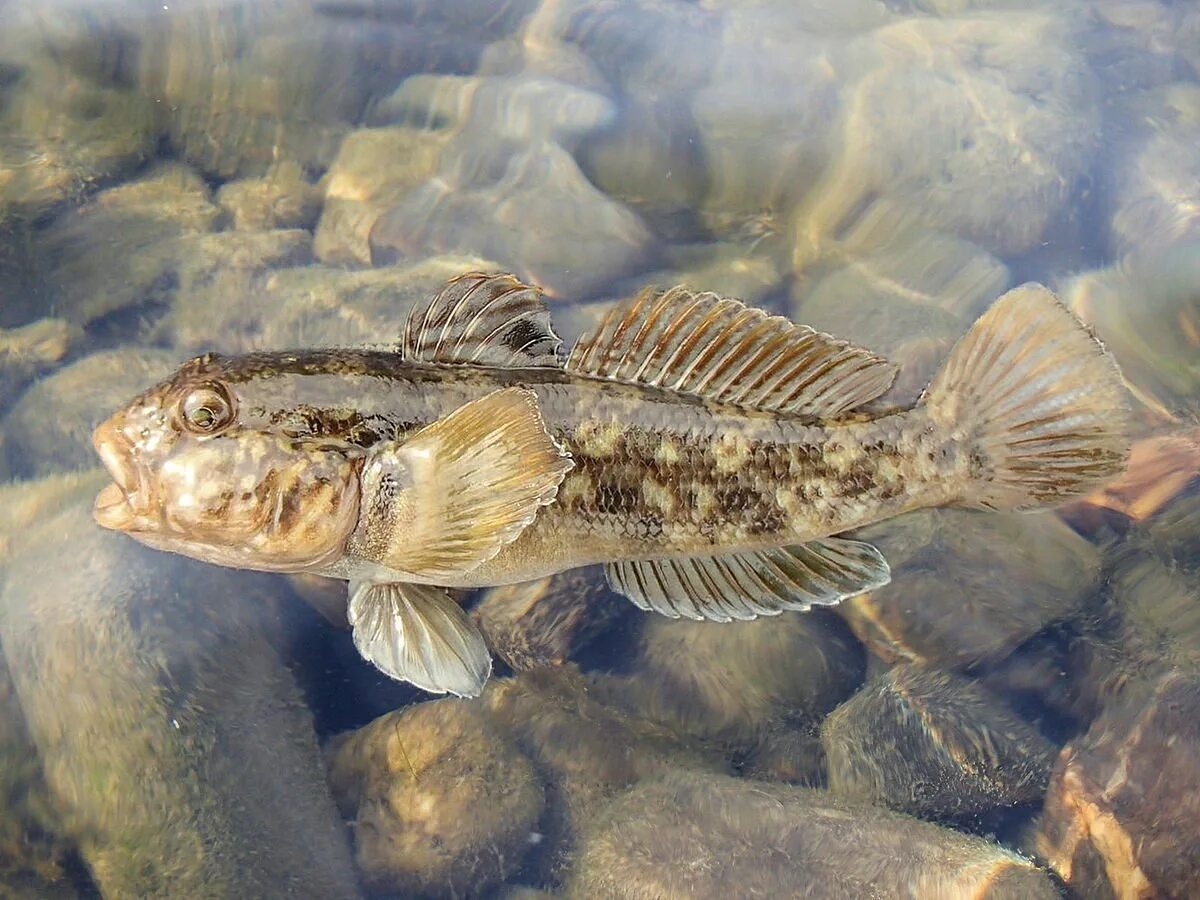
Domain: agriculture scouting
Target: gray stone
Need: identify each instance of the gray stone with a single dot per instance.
(711, 837)
(174, 740)
(50, 428)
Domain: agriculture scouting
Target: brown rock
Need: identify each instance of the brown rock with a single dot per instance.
(931, 743)
(32, 350)
(587, 751)
(731, 683)
(374, 169)
(283, 198)
(954, 601)
(710, 837)
(443, 803)
(541, 623)
(1120, 817)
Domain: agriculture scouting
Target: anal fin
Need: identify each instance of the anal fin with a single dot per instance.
(418, 633)
(747, 585)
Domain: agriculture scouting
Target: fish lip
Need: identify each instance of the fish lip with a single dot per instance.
(116, 505)
(112, 508)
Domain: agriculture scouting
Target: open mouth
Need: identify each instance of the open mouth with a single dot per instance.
(115, 507)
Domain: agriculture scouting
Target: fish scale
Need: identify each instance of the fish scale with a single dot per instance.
(707, 453)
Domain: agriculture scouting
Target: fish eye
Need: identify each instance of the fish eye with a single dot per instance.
(206, 410)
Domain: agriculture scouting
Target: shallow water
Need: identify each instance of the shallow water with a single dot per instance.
(184, 178)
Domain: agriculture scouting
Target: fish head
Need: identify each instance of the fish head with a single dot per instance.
(191, 476)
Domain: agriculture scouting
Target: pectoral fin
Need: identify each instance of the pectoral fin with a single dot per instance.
(447, 499)
(748, 585)
(417, 633)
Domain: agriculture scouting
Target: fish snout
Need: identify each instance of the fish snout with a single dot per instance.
(114, 507)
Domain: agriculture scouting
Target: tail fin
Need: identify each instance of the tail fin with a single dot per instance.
(1039, 401)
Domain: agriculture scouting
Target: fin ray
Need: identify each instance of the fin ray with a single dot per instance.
(747, 585)
(1038, 398)
(723, 350)
(480, 319)
(451, 496)
(419, 634)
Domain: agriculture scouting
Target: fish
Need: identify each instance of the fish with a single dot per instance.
(709, 455)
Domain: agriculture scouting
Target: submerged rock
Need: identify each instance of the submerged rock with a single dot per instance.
(374, 169)
(1153, 184)
(1120, 817)
(979, 125)
(443, 803)
(282, 198)
(50, 428)
(1147, 312)
(31, 350)
(705, 836)
(175, 743)
(32, 855)
(543, 622)
(934, 744)
(587, 751)
(953, 601)
(313, 306)
(531, 209)
(731, 683)
(65, 126)
(119, 250)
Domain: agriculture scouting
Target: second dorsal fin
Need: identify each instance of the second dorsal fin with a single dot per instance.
(489, 320)
(723, 350)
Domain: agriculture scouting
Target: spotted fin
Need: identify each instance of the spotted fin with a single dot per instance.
(748, 585)
(723, 350)
(487, 320)
(448, 498)
(417, 633)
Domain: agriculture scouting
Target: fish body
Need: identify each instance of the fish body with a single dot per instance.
(704, 452)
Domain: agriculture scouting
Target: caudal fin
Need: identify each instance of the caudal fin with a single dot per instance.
(1038, 400)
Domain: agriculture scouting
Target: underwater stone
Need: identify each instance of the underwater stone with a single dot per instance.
(763, 147)
(174, 740)
(1147, 312)
(1120, 816)
(543, 622)
(980, 125)
(791, 755)
(443, 803)
(314, 306)
(587, 750)
(32, 350)
(934, 744)
(374, 169)
(118, 250)
(528, 207)
(712, 837)
(1153, 183)
(64, 128)
(50, 428)
(731, 683)
(1154, 583)
(282, 198)
(31, 853)
(954, 600)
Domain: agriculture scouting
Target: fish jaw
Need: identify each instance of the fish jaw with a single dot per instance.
(123, 504)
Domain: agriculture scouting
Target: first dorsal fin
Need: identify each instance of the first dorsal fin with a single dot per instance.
(721, 349)
(491, 320)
